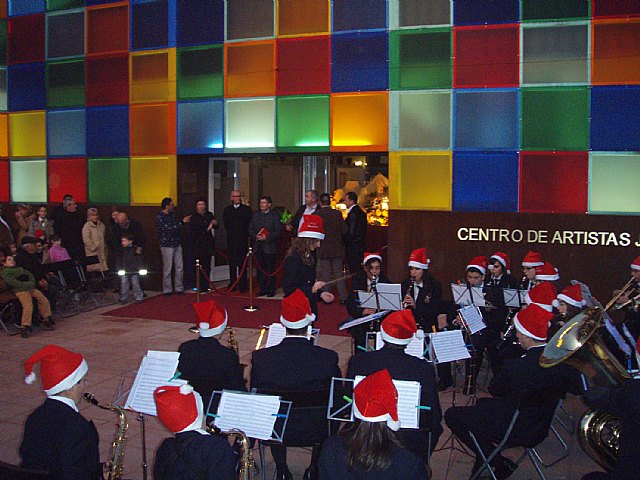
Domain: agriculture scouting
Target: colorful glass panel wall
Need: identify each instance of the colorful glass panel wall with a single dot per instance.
(108, 180)
(151, 74)
(303, 65)
(153, 178)
(614, 115)
(410, 13)
(250, 124)
(303, 17)
(153, 129)
(65, 34)
(250, 19)
(66, 133)
(26, 41)
(616, 52)
(27, 87)
(65, 84)
(614, 183)
(27, 134)
(200, 72)
(303, 123)
(200, 126)
(108, 29)
(250, 69)
(420, 120)
(359, 122)
(28, 181)
(149, 24)
(359, 62)
(536, 10)
(67, 175)
(410, 172)
(5, 195)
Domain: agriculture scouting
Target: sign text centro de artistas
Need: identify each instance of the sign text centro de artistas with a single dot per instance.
(559, 237)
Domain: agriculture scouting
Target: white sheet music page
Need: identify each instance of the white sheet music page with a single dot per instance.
(408, 401)
(473, 318)
(156, 369)
(254, 414)
(276, 334)
(449, 346)
(415, 347)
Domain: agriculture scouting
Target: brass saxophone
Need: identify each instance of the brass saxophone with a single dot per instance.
(231, 340)
(246, 466)
(116, 458)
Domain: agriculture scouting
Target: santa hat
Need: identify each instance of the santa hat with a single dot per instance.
(296, 311)
(179, 407)
(371, 255)
(636, 264)
(571, 295)
(533, 322)
(532, 259)
(39, 233)
(212, 318)
(375, 399)
(547, 273)
(60, 368)
(312, 227)
(419, 259)
(399, 328)
(542, 295)
(479, 263)
(503, 258)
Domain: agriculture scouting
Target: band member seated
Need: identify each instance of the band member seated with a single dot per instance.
(490, 417)
(547, 273)
(366, 280)
(56, 437)
(193, 452)
(296, 364)
(421, 292)
(529, 263)
(629, 303)
(204, 362)
(397, 330)
(569, 303)
(369, 448)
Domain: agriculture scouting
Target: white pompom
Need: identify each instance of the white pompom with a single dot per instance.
(420, 334)
(186, 389)
(29, 379)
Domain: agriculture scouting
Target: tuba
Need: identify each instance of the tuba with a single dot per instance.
(116, 458)
(580, 344)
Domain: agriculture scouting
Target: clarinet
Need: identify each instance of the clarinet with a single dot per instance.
(409, 293)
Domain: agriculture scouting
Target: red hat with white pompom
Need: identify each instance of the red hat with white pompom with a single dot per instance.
(212, 318)
(312, 227)
(533, 322)
(479, 263)
(532, 259)
(370, 256)
(542, 295)
(296, 311)
(547, 273)
(60, 369)
(571, 295)
(375, 399)
(503, 258)
(636, 264)
(179, 407)
(419, 259)
(399, 328)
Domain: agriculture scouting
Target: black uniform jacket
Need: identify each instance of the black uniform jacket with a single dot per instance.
(427, 309)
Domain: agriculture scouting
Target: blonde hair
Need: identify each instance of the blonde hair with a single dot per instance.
(91, 211)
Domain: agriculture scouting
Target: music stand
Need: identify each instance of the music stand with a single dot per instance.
(467, 295)
(513, 297)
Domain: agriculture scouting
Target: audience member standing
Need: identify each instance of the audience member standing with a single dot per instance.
(24, 216)
(202, 223)
(6, 236)
(264, 229)
(94, 241)
(68, 223)
(169, 230)
(124, 225)
(41, 226)
(310, 207)
(236, 218)
(356, 232)
(331, 250)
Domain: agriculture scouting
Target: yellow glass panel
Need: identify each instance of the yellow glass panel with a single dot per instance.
(153, 178)
(360, 122)
(420, 181)
(27, 134)
(4, 135)
(153, 76)
(250, 69)
(303, 17)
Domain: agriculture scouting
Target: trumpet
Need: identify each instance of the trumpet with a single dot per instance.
(627, 289)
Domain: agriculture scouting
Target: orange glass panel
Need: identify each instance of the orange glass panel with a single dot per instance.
(153, 129)
(359, 122)
(108, 29)
(616, 52)
(153, 76)
(4, 135)
(300, 17)
(250, 69)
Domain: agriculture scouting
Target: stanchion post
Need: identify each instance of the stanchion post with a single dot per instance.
(251, 307)
(195, 329)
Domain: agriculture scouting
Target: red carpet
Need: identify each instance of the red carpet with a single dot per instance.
(177, 308)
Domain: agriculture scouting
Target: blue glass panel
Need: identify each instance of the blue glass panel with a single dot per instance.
(200, 22)
(66, 133)
(89, 3)
(27, 87)
(149, 25)
(614, 118)
(108, 131)
(173, 22)
(473, 12)
(359, 62)
(486, 119)
(200, 127)
(26, 7)
(485, 181)
(359, 14)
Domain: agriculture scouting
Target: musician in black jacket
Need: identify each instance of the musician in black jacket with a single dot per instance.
(421, 292)
(490, 417)
(397, 330)
(631, 311)
(56, 437)
(356, 232)
(296, 364)
(529, 263)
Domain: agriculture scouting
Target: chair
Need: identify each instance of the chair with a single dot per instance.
(101, 286)
(73, 289)
(8, 303)
(566, 448)
(13, 472)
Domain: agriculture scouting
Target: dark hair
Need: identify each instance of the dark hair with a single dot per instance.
(474, 270)
(201, 199)
(267, 198)
(302, 246)
(166, 201)
(314, 194)
(368, 264)
(572, 311)
(325, 199)
(128, 236)
(54, 238)
(369, 445)
(352, 196)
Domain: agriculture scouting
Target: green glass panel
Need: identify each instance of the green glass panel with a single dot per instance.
(108, 180)
(200, 72)
(555, 118)
(303, 123)
(65, 84)
(614, 183)
(28, 181)
(420, 59)
(63, 4)
(3, 41)
(554, 9)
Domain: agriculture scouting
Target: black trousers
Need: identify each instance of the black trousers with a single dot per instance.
(236, 259)
(267, 263)
(205, 269)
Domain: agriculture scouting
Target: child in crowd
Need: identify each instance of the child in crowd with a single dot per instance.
(41, 226)
(57, 253)
(129, 270)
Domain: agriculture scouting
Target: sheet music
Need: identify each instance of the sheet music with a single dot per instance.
(463, 295)
(277, 332)
(415, 347)
(448, 346)
(389, 297)
(156, 369)
(408, 401)
(361, 320)
(472, 318)
(254, 414)
(513, 297)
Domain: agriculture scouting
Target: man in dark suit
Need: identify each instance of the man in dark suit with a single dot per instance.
(295, 365)
(490, 417)
(236, 218)
(204, 362)
(331, 251)
(397, 330)
(265, 228)
(310, 207)
(356, 232)
(56, 437)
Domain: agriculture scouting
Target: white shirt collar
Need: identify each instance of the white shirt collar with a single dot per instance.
(65, 400)
(350, 208)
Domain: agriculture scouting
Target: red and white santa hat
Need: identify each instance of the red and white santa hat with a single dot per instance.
(399, 328)
(571, 295)
(547, 273)
(479, 263)
(503, 258)
(212, 318)
(312, 227)
(371, 255)
(179, 407)
(635, 265)
(532, 259)
(533, 322)
(542, 295)
(375, 399)
(419, 259)
(60, 369)
(296, 311)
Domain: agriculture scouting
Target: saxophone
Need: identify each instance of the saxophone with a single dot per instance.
(246, 465)
(116, 458)
(231, 340)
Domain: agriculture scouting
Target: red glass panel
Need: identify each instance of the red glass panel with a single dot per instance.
(26, 39)
(4, 181)
(618, 8)
(108, 80)
(108, 29)
(67, 175)
(303, 65)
